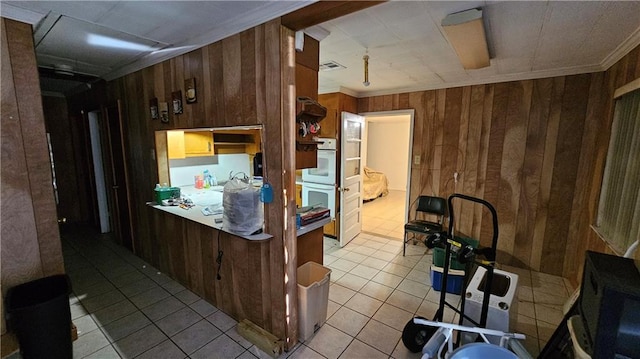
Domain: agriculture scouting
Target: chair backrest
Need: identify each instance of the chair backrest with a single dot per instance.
(432, 205)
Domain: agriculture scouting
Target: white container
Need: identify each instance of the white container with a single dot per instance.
(313, 298)
(503, 307)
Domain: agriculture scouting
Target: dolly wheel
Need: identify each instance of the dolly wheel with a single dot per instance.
(415, 336)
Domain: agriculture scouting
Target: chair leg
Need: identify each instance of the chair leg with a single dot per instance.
(404, 243)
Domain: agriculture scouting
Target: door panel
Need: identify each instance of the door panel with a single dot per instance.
(350, 191)
(117, 177)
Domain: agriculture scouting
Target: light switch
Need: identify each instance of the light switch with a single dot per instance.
(416, 159)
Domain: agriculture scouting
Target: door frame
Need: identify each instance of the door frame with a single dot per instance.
(411, 114)
(123, 231)
(94, 119)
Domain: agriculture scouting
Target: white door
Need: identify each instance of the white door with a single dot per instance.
(351, 177)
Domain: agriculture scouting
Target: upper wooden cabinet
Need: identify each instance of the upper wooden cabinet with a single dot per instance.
(198, 144)
(181, 144)
(335, 103)
(175, 144)
(307, 63)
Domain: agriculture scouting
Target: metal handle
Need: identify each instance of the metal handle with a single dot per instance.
(115, 187)
(344, 189)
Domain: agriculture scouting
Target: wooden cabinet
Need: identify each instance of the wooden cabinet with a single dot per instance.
(299, 195)
(307, 63)
(175, 144)
(198, 144)
(181, 144)
(331, 127)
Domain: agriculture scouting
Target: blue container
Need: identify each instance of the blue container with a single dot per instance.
(455, 280)
(482, 350)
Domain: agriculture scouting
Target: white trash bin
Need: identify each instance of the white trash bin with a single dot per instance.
(313, 298)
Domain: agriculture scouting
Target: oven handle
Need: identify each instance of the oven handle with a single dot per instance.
(319, 186)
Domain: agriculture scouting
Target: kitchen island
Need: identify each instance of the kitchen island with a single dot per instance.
(230, 271)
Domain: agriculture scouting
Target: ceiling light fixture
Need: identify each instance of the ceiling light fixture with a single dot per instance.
(105, 41)
(466, 34)
(365, 58)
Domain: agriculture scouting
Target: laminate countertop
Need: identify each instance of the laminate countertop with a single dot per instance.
(195, 214)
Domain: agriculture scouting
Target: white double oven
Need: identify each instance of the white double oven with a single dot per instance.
(319, 184)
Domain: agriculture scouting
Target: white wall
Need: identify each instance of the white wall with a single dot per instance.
(387, 148)
(182, 171)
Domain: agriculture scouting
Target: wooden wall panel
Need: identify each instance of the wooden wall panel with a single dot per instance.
(30, 241)
(241, 80)
(565, 171)
(535, 149)
(513, 153)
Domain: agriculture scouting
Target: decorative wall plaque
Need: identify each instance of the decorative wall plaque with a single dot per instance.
(190, 90)
(164, 112)
(177, 102)
(153, 107)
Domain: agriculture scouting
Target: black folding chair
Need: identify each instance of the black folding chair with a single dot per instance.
(428, 218)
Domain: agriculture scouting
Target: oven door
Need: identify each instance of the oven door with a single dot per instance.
(325, 172)
(314, 194)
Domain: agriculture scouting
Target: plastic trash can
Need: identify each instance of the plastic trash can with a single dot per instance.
(313, 298)
(38, 313)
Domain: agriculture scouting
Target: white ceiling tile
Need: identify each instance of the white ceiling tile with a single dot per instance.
(512, 65)
(71, 37)
(404, 38)
(515, 27)
(454, 76)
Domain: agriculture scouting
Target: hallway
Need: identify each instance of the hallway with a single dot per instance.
(124, 308)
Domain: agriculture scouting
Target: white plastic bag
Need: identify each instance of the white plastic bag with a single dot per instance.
(243, 212)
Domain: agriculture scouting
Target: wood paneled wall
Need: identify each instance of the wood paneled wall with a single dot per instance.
(245, 79)
(535, 149)
(30, 239)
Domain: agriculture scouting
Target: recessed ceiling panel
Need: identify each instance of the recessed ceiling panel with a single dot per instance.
(80, 41)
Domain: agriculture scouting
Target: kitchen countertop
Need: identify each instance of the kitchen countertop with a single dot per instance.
(195, 214)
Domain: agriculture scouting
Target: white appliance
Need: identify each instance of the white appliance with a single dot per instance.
(316, 194)
(319, 184)
(503, 306)
(327, 163)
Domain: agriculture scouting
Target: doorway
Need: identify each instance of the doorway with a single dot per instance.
(116, 178)
(387, 153)
(98, 170)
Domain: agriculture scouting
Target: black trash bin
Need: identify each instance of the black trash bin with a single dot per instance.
(38, 313)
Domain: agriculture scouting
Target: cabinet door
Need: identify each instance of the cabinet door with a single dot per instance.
(175, 144)
(329, 126)
(198, 144)
(299, 195)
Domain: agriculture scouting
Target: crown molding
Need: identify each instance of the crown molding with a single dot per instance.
(491, 80)
(19, 14)
(623, 49)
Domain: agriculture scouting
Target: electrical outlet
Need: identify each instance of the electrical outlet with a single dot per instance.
(416, 159)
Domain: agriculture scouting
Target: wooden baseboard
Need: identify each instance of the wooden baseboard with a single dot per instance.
(264, 340)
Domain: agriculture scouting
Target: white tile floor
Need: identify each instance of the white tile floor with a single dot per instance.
(124, 308)
(384, 216)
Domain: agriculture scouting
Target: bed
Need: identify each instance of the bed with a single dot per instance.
(375, 184)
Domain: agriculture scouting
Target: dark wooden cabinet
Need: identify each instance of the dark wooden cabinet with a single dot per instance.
(307, 63)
